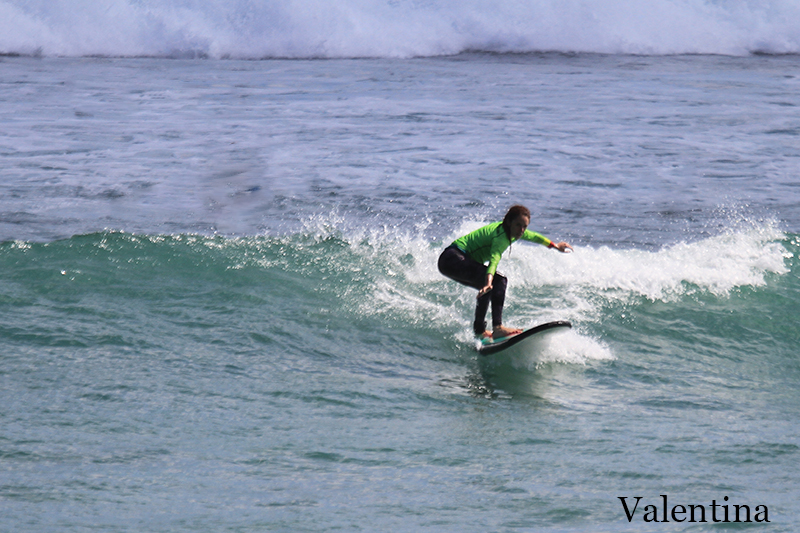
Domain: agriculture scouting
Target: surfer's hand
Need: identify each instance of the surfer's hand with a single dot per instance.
(484, 290)
(562, 247)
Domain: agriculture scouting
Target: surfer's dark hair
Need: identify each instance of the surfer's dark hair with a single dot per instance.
(514, 212)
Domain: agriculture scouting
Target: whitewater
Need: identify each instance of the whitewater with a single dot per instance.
(219, 301)
(249, 29)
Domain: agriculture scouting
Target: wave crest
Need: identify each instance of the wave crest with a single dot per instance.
(394, 28)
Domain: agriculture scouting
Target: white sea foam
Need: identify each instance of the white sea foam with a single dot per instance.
(718, 265)
(394, 28)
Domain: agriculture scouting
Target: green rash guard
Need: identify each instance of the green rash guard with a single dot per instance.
(489, 242)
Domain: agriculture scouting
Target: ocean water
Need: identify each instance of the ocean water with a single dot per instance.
(219, 303)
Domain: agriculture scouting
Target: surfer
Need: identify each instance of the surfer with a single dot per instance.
(465, 260)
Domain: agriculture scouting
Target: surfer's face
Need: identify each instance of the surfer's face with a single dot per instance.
(519, 225)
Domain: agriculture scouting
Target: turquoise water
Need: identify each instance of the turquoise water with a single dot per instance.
(307, 382)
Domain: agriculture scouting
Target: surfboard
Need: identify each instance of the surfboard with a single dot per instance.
(490, 346)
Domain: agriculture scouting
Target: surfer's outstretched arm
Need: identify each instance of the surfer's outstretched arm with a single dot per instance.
(561, 246)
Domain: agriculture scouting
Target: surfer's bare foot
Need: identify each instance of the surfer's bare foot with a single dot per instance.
(502, 331)
(485, 335)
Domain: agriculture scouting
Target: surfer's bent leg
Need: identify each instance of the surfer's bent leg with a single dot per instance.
(498, 296)
(479, 326)
(459, 267)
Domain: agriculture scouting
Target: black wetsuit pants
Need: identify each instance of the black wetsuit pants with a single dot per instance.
(460, 267)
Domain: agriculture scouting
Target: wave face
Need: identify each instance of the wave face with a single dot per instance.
(122, 289)
(254, 29)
